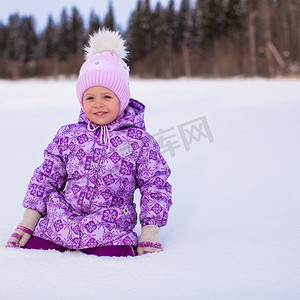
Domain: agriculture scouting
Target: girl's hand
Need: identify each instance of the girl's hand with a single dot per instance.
(149, 240)
(23, 232)
(20, 237)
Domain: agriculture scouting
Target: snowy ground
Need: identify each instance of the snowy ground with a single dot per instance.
(234, 228)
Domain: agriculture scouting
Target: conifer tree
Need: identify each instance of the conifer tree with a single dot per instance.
(146, 28)
(170, 20)
(3, 38)
(50, 39)
(109, 20)
(30, 39)
(64, 36)
(76, 32)
(213, 17)
(136, 34)
(48, 42)
(159, 28)
(196, 28)
(94, 22)
(14, 41)
(234, 14)
(183, 25)
(140, 34)
(14, 46)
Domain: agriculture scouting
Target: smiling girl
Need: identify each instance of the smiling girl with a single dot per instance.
(81, 197)
(100, 105)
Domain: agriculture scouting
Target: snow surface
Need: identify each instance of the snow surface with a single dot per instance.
(234, 228)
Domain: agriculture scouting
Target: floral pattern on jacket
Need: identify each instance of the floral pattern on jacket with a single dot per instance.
(85, 187)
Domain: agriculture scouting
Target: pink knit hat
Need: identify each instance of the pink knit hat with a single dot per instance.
(104, 66)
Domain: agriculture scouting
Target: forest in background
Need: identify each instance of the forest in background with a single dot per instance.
(211, 38)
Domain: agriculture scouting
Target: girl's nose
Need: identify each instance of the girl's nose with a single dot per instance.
(99, 103)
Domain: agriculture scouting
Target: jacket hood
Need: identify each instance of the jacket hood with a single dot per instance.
(133, 116)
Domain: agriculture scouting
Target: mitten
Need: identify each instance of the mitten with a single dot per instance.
(25, 229)
(149, 240)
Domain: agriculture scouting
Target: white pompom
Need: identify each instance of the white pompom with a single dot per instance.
(106, 40)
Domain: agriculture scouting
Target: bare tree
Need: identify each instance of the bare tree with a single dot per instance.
(252, 15)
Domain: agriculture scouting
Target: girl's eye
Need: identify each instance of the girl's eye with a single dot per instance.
(90, 98)
(107, 97)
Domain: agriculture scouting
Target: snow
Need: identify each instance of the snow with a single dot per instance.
(233, 231)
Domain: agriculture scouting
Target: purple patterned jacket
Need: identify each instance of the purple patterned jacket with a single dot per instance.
(85, 187)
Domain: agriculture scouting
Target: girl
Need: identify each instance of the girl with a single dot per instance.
(81, 197)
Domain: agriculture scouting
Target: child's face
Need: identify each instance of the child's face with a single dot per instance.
(100, 105)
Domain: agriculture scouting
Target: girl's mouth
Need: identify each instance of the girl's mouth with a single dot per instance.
(100, 113)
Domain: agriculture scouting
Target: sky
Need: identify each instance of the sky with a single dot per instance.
(42, 9)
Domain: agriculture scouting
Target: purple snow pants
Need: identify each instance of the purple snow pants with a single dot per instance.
(38, 243)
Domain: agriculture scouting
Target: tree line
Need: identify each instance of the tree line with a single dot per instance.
(211, 38)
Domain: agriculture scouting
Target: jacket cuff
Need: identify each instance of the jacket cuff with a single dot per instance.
(157, 223)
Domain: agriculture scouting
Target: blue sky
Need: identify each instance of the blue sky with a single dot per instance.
(42, 9)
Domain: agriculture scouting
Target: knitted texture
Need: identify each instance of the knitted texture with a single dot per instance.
(149, 240)
(25, 229)
(105, 68)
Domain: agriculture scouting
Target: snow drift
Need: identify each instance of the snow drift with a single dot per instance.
(233, 232)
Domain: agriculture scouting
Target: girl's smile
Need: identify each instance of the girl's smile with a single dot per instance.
(101, 105)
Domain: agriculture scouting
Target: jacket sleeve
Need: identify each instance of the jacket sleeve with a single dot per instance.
(49, 177)
(152, 174)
